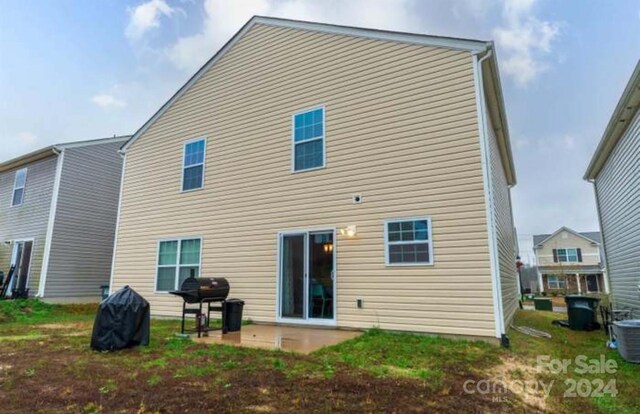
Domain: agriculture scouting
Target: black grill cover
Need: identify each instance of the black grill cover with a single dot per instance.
(122, 321)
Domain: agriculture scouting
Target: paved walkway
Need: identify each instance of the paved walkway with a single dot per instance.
(288, 338)
(560, 309)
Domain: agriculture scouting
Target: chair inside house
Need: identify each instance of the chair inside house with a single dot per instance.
(319, 296)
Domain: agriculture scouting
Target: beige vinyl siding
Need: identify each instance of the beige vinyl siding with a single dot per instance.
(618, 194)
(504, 231)
(401, 129)
(567, 240)
(29, 220)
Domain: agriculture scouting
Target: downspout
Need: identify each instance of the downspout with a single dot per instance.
(500, 330)
(115, 236)
(52, 216)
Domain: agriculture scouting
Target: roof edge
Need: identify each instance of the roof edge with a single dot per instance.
(403, 37)
(470, 45)
(50, 150)
(97, 141)
(611, 137)
(502, 131)
(552, 235)
(27, 158)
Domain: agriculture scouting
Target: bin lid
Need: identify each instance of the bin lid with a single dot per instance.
(569, 298)
(235, 300)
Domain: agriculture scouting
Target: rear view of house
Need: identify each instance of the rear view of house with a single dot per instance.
(570, 262)
(58, 210)
(335, 176)
(614, 171)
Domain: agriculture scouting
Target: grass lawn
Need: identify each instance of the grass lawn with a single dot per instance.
(46, 366)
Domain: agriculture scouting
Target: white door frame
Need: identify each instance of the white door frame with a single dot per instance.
(14, 254)
(305, 320)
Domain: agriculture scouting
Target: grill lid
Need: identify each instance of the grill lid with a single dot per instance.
(196, 289)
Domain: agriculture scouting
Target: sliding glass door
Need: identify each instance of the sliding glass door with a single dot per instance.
(293, 276)
(307, 276)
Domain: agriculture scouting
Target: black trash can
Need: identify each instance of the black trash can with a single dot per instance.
(233, 314)
(581, 311)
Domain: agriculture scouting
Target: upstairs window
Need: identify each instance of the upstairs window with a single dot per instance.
(193, 164)
(567, 255)
(18, 187)
(177, 260)
(408, 242)
(308, 140)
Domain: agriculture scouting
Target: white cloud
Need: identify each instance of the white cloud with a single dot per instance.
(525, 39)
(223, 18)
(19, 143)
(146, 16)
(27, 138)
(107, 101)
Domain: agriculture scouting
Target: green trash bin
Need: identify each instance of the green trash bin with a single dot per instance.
(543, 304)
(581, 311)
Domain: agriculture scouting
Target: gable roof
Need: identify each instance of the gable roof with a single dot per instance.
(55, 149)
(626, 109)
(592, 236)
(470, 45)
(495, 98)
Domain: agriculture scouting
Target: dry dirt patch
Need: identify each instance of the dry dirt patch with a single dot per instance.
(521, 378)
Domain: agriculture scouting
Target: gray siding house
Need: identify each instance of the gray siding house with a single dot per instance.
(615, 172)
(58, 212)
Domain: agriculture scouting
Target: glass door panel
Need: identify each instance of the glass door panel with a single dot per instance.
(321, 274)
(292, 294)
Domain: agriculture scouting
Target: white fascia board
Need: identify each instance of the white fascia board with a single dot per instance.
(468, 45)
(50, 225)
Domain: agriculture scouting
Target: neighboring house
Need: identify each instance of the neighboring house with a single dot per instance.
(570, 262)
(615, 172)
(58, 211)
(335, 176)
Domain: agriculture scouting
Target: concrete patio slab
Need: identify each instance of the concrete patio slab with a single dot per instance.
(298, 339)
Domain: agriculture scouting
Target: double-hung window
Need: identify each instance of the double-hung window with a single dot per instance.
(18, 187)
(308, 140)
(554, 282)
(408, 242)
(193, 164)
(567, 255)
(177, 260)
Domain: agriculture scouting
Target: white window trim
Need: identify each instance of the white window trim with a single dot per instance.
(13, 192)
(566, 249)
(324, 139)
(178, 264)
(557, 282)
(13, 258)
(182, 166)
(429, 242)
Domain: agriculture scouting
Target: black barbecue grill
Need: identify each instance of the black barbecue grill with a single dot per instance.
(203, 290)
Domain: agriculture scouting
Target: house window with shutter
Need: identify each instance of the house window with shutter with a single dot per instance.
(567, 255)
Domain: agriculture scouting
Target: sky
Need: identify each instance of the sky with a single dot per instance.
(74, 70)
